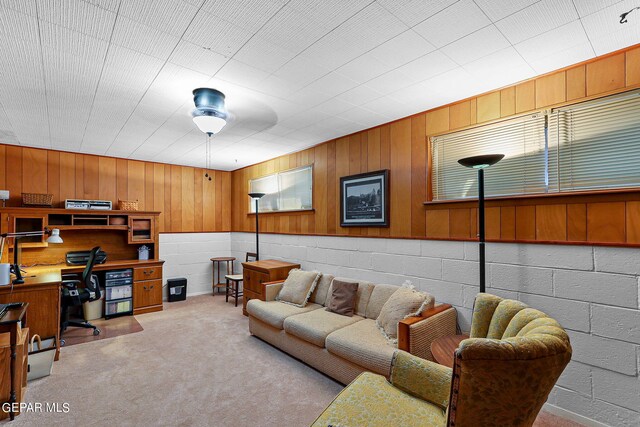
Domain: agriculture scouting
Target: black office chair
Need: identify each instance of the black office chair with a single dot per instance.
(73, 296)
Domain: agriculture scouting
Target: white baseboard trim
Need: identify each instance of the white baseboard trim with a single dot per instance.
(555, 410)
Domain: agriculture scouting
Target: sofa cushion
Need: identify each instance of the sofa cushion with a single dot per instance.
(371, 401)
(379, 296)
(363, 344)
(314, 326)
(298, 286)
(342, 299)
(403, 303)
(364, 293)
(319, 295)
(274, 312)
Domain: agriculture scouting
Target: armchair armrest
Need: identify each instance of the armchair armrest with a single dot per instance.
(421, 378)
(415, 334)
(271, 289)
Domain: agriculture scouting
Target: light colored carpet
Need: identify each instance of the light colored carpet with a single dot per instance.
(194, 364)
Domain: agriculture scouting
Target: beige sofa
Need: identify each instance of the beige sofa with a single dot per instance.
(340, 346)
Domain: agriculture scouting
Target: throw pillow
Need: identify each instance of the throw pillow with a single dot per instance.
(298, 286)
(403, 303)
(342, 299)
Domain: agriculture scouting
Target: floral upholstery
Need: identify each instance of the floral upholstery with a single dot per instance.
(502, 375)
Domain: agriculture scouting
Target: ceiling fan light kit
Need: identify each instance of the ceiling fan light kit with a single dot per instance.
(210, 115)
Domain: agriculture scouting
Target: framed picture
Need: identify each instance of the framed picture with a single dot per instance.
(364, 199)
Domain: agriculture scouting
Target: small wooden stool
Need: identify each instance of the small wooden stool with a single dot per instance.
(216, 283)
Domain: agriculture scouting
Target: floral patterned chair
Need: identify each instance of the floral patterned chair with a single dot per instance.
(502, 376)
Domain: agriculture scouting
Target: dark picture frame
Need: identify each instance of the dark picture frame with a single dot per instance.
(364, 199)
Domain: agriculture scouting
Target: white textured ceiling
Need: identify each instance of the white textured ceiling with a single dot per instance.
(114, 77)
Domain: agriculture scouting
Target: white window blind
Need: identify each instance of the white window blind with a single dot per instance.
(598, 143)
(522, 171)
(284, 191)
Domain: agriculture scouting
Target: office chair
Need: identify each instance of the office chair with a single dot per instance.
(233, 281)
(73, 296)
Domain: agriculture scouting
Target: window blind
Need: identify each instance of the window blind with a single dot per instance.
(523, 170)
(284, 191)
(598, 143)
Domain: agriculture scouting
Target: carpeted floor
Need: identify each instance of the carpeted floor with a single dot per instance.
(194, 364)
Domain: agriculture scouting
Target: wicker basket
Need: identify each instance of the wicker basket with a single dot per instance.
(37, 199)
(128, 205)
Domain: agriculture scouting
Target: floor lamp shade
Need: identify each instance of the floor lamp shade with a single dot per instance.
(257, 197)
(481, 163)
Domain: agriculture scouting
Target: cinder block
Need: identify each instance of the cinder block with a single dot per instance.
(601, 288)
(338, 257)
(612, 387)
(605, 353)
(359, 260)
(372, 244)
(617, 323)
(458, 271)
(317, 255)
(404, 246)
(446, 292)
(558, 256)
(570, 314)
(428, 268)
(522, 279)
(577, 377)
(442, 249)
(617, 260)
(335, 242)
(595, 409)
(387, 263)
(471, 251)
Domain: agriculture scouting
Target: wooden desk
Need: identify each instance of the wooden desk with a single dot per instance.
(444, 347)
(12, 324)
(41, 289)
(255, 273)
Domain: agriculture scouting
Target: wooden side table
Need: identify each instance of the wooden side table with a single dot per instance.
(443, 349)
(215, 281)
(256, 273)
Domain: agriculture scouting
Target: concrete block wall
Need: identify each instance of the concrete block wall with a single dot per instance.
(188, 255)
(591, 291)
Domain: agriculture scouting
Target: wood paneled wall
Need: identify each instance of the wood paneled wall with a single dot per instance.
(402, 146)
(188, 201)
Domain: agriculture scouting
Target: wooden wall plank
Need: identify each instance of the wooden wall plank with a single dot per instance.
(158, 194)
(437, 223)
(606, 222)
(79, 176)
(492, 223)
(319, 189)
(176, 198)
(122, 179)
(508, 101)
(551, 222)
(460, 223)
(187, 199)
(342, 170)
(437, 121)
(226, 201)
(400, 178)
(198, 199)
(551, 89)
(460, 115)
(632, 67)
(508, 223)
(525, 96)
(168, 217)
(14, 169)
(53, 177)
(148, 186)
(67, 176)
(135, 182)
(418, 174)
(488, 107)
(633, 222)
(606, 74)
(218, 200)
(34, 167)
(107, 185)
(576, 83)
(577, 222)
(91, 174)
(3, 166)
(525, 222)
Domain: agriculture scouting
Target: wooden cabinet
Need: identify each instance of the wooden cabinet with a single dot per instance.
(141, 229)
(256, 273)
(147, 288)
(19, 222)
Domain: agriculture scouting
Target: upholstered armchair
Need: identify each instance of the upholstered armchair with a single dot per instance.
(502, 376)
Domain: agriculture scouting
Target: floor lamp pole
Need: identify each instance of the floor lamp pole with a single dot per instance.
(481, 253)
(257, 233)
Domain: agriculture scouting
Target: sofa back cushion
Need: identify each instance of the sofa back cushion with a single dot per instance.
(342, 299)
(298, 286)
(362, 298)
(379, 296)
(404, 302)
(319, 295)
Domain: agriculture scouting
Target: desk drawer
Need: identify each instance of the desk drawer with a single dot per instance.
(147, 273)
(147, 293)
(253, 280)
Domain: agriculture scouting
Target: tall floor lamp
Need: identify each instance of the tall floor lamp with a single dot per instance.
(481, 163)
(257, 197)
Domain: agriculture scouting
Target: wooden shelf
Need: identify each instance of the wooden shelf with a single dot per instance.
(90, 227)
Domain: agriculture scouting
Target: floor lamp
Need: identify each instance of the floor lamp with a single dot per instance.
(481, 163)
(257, 197)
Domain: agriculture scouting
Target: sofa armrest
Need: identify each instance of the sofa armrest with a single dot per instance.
(271, 289)
(421, 378)
(415, 334)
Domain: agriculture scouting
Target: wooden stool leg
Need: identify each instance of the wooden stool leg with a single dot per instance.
(226, 291)
(237, 286)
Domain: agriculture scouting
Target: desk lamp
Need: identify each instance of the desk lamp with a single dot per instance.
(257, 197)
(54, 237)
(481, 163)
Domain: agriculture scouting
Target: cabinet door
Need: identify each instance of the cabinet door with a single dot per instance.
(28, 222)
(253, 280)
(141, 229)
(147, 293)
